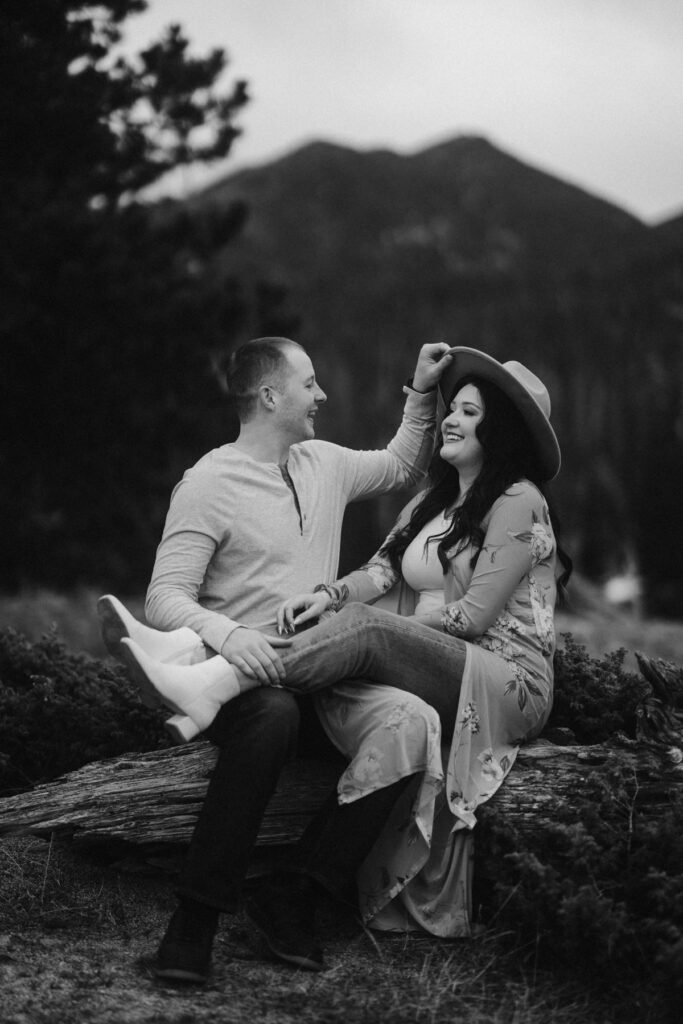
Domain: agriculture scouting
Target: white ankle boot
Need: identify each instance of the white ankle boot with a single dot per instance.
(196, 691)
(179, 646)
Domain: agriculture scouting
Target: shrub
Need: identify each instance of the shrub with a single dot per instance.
(59, 710)
(598, 891)
(594, 697)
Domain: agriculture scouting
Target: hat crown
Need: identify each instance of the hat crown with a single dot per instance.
(532, 384)
(527, 392)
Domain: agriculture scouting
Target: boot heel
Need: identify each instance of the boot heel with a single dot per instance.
(181, 728)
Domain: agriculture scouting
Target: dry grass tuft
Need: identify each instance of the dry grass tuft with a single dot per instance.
(76, 939)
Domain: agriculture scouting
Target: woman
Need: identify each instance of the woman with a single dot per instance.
(476, 563)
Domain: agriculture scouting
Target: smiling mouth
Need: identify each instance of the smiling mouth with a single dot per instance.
(452, 437)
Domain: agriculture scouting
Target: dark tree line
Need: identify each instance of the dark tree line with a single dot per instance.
(112, 315)
(465, 243)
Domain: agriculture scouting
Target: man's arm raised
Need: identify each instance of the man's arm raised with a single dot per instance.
(405, 460)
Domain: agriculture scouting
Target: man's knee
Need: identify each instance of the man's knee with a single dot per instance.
(266, 716)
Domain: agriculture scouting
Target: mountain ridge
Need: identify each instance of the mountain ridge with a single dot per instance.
(378, 252)
(461, 190)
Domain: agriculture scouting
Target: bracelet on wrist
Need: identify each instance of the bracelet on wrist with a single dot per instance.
(337, 599)
(411, 384)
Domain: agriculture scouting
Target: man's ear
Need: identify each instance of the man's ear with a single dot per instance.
(266, 397)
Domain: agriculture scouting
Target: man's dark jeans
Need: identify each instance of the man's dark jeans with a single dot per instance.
(257, 733)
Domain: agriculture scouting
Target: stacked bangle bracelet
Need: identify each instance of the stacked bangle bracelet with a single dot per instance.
(337, 595)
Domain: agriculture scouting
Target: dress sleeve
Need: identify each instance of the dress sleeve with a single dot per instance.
(377, 576)
(518, 537)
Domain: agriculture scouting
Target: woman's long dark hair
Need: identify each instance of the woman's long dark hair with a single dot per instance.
(509, 455)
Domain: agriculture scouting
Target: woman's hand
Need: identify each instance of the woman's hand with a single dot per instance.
(308, 606)
(431, 619)
(431, 362)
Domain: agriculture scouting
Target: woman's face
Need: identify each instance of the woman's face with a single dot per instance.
(461, 448)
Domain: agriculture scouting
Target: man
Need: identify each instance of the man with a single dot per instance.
(251, 523)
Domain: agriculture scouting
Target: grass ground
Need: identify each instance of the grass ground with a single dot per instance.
(76, 935)
(76, 939)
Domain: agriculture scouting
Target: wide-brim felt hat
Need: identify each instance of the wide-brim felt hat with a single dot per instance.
(528, 393)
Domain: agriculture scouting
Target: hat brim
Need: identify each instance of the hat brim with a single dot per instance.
(471, 362)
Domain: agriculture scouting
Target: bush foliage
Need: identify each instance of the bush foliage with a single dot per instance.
(598, 892)
(594, 697)
(60, 710)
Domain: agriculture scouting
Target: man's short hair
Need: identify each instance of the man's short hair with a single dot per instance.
(256, 362)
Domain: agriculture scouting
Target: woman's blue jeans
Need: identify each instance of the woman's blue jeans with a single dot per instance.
(257, 734)
(370, 644)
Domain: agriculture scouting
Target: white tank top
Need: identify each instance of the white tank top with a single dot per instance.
(421, 567)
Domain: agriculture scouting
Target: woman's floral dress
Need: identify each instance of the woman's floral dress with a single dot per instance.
(419, 873)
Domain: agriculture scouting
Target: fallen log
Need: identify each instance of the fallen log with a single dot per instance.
(154, 798)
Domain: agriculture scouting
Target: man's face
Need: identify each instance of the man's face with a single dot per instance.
(298, 397)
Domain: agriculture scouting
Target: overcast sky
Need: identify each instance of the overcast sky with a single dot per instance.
(589, 90)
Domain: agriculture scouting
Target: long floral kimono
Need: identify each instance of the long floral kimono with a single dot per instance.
(419, 874)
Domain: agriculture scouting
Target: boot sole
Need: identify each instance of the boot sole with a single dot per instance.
(148, 693)
(113, 628)
(178, 974)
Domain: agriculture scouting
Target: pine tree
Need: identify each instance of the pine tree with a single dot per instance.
(111, 312)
